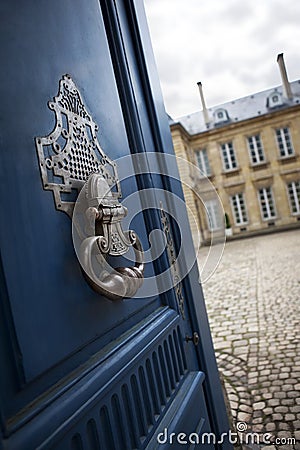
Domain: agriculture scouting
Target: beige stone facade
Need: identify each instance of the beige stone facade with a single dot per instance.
(252, 162)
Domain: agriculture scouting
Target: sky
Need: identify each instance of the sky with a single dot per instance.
(231, 46)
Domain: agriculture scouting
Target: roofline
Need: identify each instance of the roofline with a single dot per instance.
(178, 125)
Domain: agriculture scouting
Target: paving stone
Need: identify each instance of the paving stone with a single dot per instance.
(281, 409)
(259, 405)
(241, 350)
(280, 394)
(296, 425)
(267, 395)
(288, 417)
(246, 408)
(284, 434)
(277, 416)
(287, 387)
(257, 428)
(252, 374)
(222, 345)
(295, 409)
(288, 402)
(270, 426)
(233, 405)
(286, 446)
(283, 426)
(292, 381)
(278, 383)
(257, 420)
(293, 394)
(265, 372)
(274, 388)
(273, 402)
(297, 435)
(239, 373)
(244, 417)
(283, 376)
(252, 363)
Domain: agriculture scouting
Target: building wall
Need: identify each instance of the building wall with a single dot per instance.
(275, 172)
(184, 156)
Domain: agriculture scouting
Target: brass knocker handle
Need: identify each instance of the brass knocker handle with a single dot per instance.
(104, 236)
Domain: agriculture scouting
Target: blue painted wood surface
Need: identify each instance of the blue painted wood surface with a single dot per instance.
(79, 371)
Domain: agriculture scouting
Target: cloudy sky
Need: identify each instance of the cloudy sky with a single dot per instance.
(231, 46)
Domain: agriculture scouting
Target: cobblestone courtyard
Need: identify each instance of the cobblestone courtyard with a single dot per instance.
(253, 306)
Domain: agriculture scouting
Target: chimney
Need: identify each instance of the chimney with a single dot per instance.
(205, 111)
(285, 82)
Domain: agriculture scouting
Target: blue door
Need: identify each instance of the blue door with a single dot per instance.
(84, 364)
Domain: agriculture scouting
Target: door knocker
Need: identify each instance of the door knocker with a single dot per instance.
(97, 224)
(85, 185)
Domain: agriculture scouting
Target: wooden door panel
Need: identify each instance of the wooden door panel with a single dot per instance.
(54, 310)
(81, 371)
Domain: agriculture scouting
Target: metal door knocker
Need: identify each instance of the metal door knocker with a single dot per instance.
(101, 215)
(85, 185)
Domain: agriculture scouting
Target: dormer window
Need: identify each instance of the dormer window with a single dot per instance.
(221, 116)
(274, 99)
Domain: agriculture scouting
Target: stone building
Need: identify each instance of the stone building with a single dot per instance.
(249, 149)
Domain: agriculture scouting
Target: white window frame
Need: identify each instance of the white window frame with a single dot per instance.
(286, 145)
(203, 162)
(256, 141)
(296, 199)
(269, 217)
(238, 199)
(213, 221)
(225, 152)
(274, 99)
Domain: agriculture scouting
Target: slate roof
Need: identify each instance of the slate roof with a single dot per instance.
(241, 109)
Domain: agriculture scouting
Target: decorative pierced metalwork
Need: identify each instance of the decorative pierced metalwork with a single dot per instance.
(173, 260)
(71, 152)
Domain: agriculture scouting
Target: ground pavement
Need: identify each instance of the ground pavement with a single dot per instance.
(253, 302)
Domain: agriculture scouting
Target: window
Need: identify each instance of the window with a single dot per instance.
(215, 216)
(203, 163)
(284, 142)
(221, 116)
(239, 209)
(294, 196)
(274, 99)
(267, 206)
(255, 149)
(228, 156)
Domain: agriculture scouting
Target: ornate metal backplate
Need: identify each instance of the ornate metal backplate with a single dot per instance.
(71, 152)
(173, 260)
